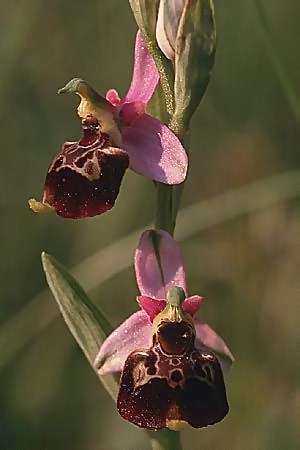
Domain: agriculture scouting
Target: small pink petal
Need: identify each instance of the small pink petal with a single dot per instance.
(113, 97)
(145, 74)
(158, 264)
(192, 304)
(151, 306)
(129, 112)
(154, 150)
(134, 333)
(206, 336)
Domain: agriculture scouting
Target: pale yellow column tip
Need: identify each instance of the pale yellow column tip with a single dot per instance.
(39, 207)
(176, 425)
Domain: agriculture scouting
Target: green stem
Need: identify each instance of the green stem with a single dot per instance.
(167, 205)
(165, 440)
(276, 60)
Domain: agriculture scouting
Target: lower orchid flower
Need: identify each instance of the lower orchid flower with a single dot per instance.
(171, 363)
(80, 182)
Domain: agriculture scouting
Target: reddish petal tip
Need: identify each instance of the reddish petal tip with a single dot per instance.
(151, 306)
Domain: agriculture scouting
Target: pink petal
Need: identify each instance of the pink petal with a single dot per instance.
(158, 264)
(192, 304)
(206, 336)
(151, 306)
(129, 112)
(134, 333)
(145, 74)
(113, 97)
(154, 150)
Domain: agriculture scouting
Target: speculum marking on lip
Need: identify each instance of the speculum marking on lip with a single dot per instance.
(85, 177)
(191, 392)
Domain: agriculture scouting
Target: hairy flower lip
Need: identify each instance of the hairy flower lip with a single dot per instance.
(84, 178)
(159, 385)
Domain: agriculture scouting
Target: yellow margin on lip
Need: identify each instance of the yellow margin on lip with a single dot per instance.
(39, 207)
(176, 425)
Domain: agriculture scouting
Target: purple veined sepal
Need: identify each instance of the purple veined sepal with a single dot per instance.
(172, 383)
(84, 178)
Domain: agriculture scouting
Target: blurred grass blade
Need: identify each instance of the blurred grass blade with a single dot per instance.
(276, 60)
(85, 321)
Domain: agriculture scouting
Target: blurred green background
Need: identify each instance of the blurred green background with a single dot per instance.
(246, 265)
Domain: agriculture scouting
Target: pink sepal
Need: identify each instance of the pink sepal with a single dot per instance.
(206, 336)
(135, 332)
(145, 74)
(155, 151)
(158, 264)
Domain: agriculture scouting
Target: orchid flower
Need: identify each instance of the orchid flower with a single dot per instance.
(156, 272)
(84, 178)
(159, 270)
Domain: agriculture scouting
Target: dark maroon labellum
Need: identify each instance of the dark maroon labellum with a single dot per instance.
(84, 178)
(172, 382)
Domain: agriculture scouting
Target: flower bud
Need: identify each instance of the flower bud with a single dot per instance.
(194, 57)
(169, 15)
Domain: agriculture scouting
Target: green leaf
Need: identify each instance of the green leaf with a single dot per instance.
(164, 439)
(86, 322)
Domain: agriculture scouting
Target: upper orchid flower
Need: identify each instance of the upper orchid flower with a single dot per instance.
(175, 338)
(84, 178)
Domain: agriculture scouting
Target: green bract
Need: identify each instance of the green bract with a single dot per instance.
(86, 322)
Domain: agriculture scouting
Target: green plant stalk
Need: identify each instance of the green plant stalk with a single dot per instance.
(165, 440)
(167, 196)
(167, 205)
